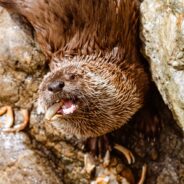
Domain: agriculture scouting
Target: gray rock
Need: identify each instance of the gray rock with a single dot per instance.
(20, 163)
(163, 37)
(21, 62)
(21, 70)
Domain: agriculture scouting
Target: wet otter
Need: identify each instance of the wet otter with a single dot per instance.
(97, 81)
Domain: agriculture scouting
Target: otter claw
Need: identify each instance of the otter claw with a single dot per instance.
(143, 174)
(127, 153)
(9, 114)
(89, 163)
(10, 119)
(106, 159)
(21, 126)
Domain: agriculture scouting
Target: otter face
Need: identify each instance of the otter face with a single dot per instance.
(60, 92)
(88, 100)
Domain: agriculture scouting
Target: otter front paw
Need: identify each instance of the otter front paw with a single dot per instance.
(9, 115)
(98, 146)
(10, 120)
(101, 147)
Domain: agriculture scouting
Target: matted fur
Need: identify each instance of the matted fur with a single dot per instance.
(95, 40)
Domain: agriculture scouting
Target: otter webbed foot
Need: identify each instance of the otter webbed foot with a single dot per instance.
(10, 120)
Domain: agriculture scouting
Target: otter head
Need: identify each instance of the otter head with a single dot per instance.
(89, 97)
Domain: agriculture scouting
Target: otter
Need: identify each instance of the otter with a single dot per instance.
(97, 81)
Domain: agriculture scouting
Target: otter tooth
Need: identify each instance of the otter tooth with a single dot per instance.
(55, 117)
(51, 111)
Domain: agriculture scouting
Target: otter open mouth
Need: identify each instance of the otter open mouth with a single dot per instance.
(64, 107)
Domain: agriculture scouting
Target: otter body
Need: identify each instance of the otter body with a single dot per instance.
(97, 82)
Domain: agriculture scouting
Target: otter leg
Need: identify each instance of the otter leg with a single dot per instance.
(143, 174)
(9, 114)
(149, 118)
(148, 123)
(100, 148)
(21, 126)
(127, 153)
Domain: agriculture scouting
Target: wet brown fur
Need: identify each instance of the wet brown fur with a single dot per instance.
(95, 40)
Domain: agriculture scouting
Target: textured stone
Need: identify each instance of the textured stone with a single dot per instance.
(19, 162)
(21, 69)
(21, 62)
(163, 37)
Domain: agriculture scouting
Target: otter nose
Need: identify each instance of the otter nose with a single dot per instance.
(56, 86)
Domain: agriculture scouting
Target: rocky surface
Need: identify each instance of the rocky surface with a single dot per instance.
(43, 154)
(20, 162)
(21, 62)
(163, 36)
(21, 68)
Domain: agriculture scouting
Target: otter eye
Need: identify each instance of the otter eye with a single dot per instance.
(71, 76)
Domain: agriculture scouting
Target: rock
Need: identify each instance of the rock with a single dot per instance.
(21, 163)
(163, 37)
(20, 53)
(21, 62)
(170, 175)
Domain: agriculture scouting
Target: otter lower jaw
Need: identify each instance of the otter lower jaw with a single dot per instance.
(64, 107)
